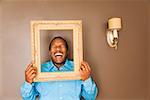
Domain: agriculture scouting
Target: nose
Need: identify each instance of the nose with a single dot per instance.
(58, 48)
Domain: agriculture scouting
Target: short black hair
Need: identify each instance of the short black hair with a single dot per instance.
(58, 37)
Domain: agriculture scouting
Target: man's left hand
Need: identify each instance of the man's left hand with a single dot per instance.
(85, 70)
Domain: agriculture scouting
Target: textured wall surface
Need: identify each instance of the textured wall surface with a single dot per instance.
(149, 51)
(120, 75)
(0, 54)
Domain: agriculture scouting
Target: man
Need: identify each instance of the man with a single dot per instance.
(59, 90)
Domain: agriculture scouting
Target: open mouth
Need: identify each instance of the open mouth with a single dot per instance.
(58, 54)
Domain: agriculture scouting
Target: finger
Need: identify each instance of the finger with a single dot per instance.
(32, 76)
(81, 72)
(86, 66)
(32, 72)
(30, 65)
(31, 68)
(82, 68)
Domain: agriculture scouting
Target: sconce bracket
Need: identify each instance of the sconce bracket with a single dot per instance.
(111, 40)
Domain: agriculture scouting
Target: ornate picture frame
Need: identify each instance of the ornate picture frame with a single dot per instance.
(76, 26)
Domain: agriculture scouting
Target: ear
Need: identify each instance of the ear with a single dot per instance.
(49, 53)
(67, 53)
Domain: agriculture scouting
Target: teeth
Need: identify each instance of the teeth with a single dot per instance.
(58, 54)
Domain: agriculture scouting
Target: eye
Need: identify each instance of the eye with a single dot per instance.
(53, 47)
(62, 46)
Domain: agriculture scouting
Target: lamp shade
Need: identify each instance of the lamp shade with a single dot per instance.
(114, 23)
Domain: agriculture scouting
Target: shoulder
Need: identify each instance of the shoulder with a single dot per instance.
(70, 62)
(46, 66)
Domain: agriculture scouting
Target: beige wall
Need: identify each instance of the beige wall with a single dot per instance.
(149, 51)
(0, 54)
(120, 74)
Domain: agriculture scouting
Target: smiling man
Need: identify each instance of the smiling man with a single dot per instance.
(59, 90)
(58, 50)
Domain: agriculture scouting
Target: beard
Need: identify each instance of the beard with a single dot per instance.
(58, 63)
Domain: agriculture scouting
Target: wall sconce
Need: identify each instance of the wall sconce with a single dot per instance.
(114, 25)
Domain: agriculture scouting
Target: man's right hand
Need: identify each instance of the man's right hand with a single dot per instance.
(30, 73)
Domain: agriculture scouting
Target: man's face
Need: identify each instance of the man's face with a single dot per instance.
(58, 51)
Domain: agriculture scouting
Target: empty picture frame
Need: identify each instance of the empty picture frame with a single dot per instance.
(76, 27)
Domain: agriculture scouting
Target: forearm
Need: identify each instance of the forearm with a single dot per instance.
(28, 91)
(89, 89)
